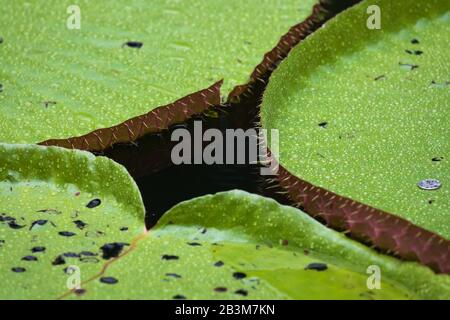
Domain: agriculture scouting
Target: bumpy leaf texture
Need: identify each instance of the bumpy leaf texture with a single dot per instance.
(127, 59)
(235, 245)
(61, 208)
(364, 119)
(71, 226)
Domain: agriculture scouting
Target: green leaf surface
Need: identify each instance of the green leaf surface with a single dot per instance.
(50, 217)
(235, 245)
(60, 82)
(364, 113)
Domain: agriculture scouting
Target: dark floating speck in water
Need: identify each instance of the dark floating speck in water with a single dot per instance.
(242, 292)
(108, 280)
(133, 44)
(316, 266)
(194, 244)
(219, 264)
(430, 201)
(1, 40)
(436, 159)
(29, 258)
(18, 269)
(80, 224)
(59, 260)
(1, 87)
(415, 41)
(37, 249)
(323, 124)
(112, 250)
(169, 257)
(93, 203)
(174, 275)
(124, 229)
(239, 275)
(204, 230)
(179, 297)
(220, 289)
(66, 233)
(379, 77)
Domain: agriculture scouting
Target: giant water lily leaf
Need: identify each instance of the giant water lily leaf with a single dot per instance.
(61, 208)
(126, 59)
(237, 245)
(363, 113)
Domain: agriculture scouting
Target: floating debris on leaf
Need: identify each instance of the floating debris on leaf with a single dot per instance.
(379, 77)
(88, 253)
(14, 225)
(50, 211)
(71, 255)
(79, 292)
(323, 124)
(80, 224)
(94, 234)
(242, 292)
(37, 249)
(408, 66)
(29, 258)
(93, 203)
(59, 260)
(169, 257)
(66, 233)
(89, 260)
(219, 264)
(108, 280)
(133, 44)
(112, 250)
(38, 223)
(48, 103)
(316, 266)
(239, 275)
